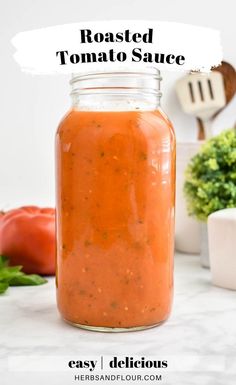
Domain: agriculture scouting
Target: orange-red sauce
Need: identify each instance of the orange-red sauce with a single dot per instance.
(115, 212)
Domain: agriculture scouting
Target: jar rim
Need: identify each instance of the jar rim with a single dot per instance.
(149, 72)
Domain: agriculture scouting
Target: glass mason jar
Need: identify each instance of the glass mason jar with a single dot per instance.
(115, 153)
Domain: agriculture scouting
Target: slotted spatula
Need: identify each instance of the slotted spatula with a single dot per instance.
(202, 95)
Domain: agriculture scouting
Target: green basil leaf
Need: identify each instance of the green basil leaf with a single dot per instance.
(27, 280)
(7, 273)
(3, 287)
(3, 261)
(13, 276)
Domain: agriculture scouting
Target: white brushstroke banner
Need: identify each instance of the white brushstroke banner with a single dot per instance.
(103, 45)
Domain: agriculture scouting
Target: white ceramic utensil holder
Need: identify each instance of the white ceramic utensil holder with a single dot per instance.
(222, 247)
(204, 254)
(187, 229)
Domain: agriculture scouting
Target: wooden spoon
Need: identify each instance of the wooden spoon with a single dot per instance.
(229, 77)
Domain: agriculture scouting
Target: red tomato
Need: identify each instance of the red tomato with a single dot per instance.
(27, 237)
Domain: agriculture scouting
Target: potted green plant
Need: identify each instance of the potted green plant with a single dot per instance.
(210, 181)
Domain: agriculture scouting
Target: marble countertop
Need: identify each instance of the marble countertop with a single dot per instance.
(202, 325)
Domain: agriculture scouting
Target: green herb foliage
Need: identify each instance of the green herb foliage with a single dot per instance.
(13, 276)
(210, 182)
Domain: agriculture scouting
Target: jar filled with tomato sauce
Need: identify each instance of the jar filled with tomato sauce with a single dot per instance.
(115, 162)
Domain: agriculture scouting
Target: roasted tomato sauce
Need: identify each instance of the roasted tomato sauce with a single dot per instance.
(115, 218)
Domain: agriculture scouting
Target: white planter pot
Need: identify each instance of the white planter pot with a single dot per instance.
(187, 229)
(222, 247)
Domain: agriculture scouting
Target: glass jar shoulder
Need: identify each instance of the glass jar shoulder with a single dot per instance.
(158, 120)
(152, 119)
(66, 121)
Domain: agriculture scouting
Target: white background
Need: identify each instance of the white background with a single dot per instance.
(31, 106)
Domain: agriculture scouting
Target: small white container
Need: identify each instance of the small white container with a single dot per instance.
(222, 247)
(187, 229)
